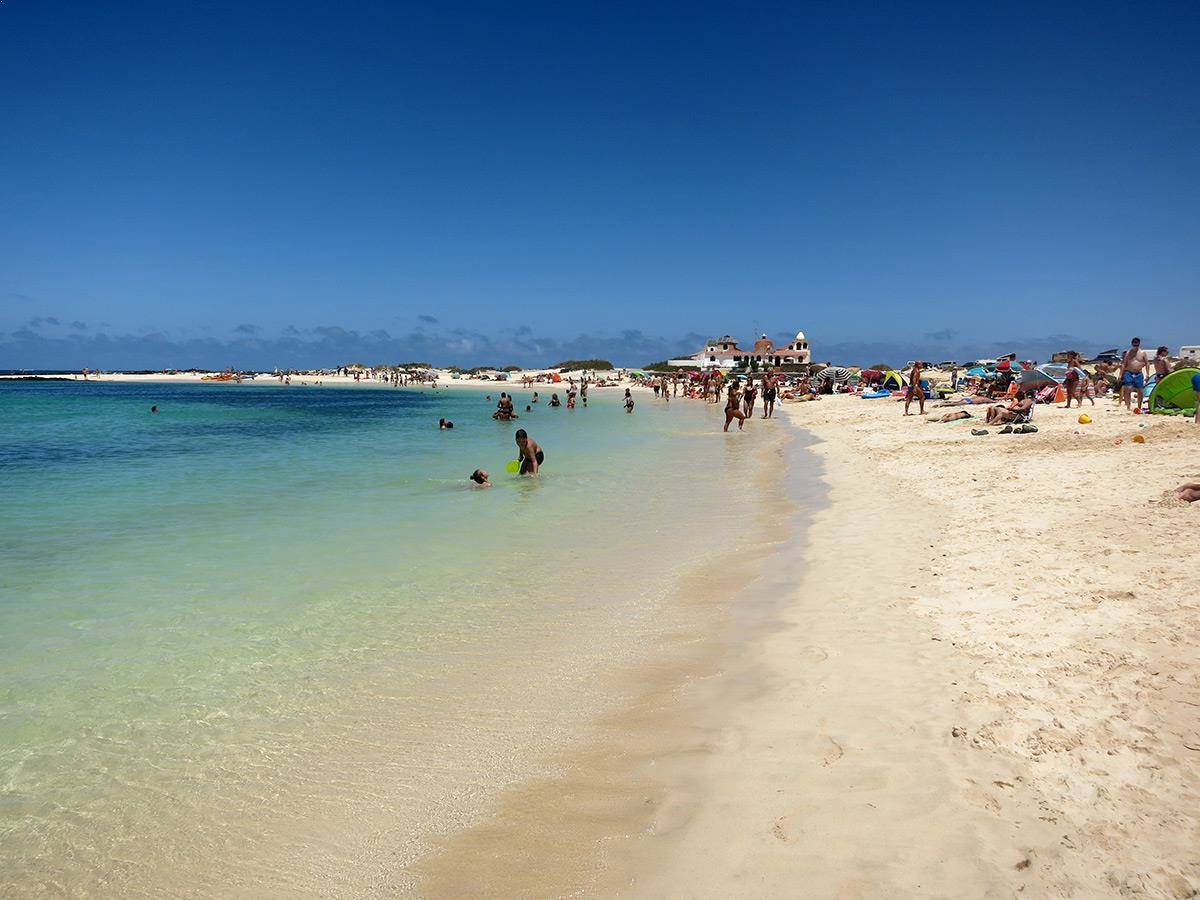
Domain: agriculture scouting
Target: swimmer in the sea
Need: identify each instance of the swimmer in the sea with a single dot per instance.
(479, 478)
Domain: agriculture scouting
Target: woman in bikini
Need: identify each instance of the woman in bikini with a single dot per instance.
(733, 407)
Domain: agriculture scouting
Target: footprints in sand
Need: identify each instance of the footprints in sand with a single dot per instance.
(779, 831)
(830, 750)
(814, 654)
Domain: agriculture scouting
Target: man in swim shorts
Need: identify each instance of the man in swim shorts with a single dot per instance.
(1132, 376)
(529, 453)
(770, 388)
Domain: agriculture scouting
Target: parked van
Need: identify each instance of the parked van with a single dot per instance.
(1190, 352)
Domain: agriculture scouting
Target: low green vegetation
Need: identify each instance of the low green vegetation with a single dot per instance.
(570, 365)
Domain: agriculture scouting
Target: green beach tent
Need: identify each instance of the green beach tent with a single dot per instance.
(894, 381)
(1173, 395)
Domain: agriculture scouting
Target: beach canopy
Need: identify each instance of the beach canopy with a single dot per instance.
(835, 374)
(1039, 378)
(893, 380)
(1173, 394)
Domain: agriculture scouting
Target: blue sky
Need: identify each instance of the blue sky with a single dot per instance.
(271, 183)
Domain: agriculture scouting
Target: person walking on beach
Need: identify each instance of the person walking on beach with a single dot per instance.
(1132, 376)
(770, 389)
(733, 407)
(1073, 380)
(914, 389)
(529, 453)
(749, 397)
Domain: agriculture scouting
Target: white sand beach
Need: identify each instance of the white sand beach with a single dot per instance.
(987, 683)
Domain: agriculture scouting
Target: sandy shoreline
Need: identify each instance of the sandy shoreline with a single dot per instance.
(983, 684)
(970, 687)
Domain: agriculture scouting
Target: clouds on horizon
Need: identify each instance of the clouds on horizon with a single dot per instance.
(43, 343)
(34, 346)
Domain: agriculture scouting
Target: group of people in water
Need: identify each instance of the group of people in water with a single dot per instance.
(740, 403)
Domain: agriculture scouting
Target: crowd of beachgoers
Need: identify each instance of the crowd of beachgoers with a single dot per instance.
(1003, 393)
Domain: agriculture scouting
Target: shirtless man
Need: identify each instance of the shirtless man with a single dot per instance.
(770, 389)
(529, 453)
(1132, 376)
(504, 409)
(914, 389)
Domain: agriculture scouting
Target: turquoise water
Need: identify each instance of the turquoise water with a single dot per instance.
(264, 608)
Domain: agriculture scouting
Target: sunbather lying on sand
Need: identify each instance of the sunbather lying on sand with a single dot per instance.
(950, 417)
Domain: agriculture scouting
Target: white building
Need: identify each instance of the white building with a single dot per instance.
(724, 353)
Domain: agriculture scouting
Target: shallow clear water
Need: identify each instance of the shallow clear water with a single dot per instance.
(266, 620)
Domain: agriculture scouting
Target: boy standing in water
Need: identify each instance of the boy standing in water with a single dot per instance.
(529, 453)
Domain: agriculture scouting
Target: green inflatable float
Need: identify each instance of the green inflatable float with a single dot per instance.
(1174, 395)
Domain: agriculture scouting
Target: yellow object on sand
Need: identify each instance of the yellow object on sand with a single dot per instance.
(1139, 439)
(1085, 419)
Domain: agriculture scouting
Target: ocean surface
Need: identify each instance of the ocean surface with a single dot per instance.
(269, 639)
